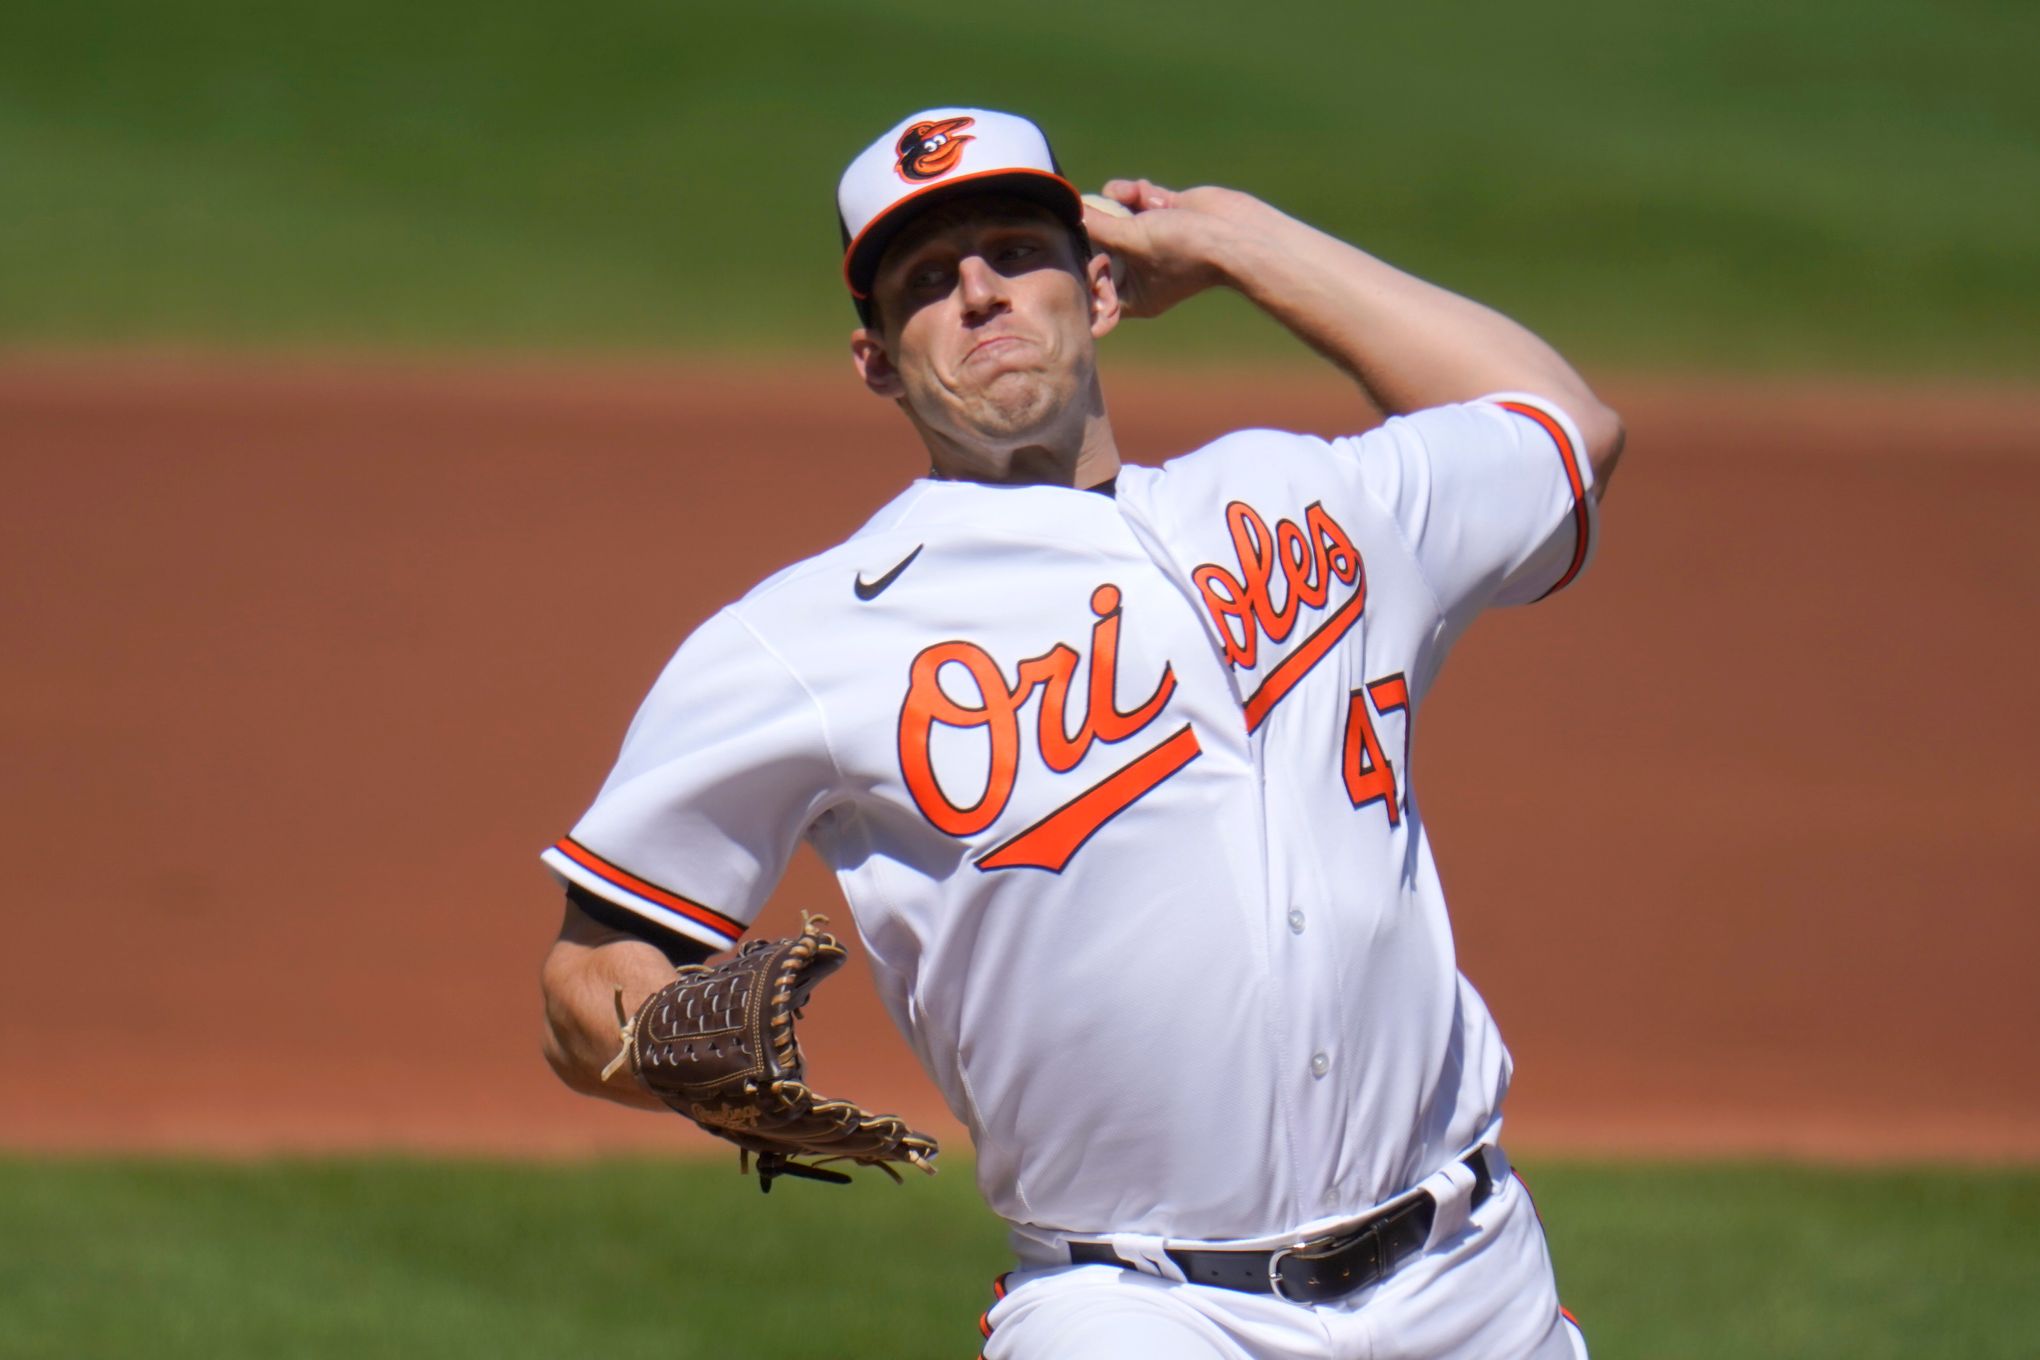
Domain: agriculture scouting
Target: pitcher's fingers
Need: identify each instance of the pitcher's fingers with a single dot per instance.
(1124, 192)
(1139, 194)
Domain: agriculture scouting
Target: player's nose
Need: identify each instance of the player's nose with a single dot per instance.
(980, 287)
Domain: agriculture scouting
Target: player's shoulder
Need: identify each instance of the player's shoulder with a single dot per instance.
(1515, 421)
(795, 587)
(1379, 458)
(1246, 446)
(1236, 459)
(789, 595)
(1266, 452)
(1516, 413)
(1261, 445)
(1483, 444)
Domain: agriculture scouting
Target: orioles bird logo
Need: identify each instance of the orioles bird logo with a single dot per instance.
(930, 149)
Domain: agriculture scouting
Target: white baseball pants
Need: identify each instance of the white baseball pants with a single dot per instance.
(1486, 1293)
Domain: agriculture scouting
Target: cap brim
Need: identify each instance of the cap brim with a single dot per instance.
(1051, 191)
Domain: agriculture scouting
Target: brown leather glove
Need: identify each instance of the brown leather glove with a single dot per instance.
(717, 1044)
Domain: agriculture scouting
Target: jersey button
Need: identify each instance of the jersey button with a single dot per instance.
(1295, 922)
(1319, 1064)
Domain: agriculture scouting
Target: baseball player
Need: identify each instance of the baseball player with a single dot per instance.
(1114, 766)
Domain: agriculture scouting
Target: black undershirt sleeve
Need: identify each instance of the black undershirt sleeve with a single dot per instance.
(675, 946)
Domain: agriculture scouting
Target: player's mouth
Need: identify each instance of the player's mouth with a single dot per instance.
(992, 348)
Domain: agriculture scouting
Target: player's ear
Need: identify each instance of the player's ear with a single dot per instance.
(1105, 305)
(874, 364)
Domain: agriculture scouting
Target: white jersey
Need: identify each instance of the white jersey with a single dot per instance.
(1118, 791)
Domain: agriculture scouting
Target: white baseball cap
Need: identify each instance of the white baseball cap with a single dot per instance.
(935, 155)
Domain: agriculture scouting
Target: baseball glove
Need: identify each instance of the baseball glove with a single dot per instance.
(717, 1044)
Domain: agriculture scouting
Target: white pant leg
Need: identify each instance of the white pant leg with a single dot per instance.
(1100, 1312)
(1484, 1294)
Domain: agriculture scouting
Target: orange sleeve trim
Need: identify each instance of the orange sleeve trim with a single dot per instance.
(651, 892)
(1570, 456)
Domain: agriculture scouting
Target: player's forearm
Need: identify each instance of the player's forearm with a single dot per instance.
(580, 978)
(1409, 343)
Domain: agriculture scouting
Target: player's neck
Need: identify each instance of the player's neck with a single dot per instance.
(1087, 457)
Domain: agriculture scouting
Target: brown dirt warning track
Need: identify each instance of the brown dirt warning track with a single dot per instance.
(305, 662)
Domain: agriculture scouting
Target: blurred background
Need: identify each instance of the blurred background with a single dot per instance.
(385, 389)
(1739, 185)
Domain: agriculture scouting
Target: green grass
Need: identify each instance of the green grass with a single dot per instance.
(1739, 184)
(1756, 1261)
(620, 1259)
(419, 1259)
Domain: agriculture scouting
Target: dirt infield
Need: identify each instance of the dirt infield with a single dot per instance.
(305, 663)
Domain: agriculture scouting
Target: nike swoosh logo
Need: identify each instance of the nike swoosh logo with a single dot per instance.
(871, 590)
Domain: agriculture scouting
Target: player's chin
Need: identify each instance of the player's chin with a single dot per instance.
(1014, 404)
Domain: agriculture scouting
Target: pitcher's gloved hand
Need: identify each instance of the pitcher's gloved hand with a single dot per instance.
(717, 1045)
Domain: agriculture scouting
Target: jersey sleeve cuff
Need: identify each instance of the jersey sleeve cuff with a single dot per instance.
(669, 911)
(1557, 426)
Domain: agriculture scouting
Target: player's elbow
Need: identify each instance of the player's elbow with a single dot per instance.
(1603, 433)
(567, 1042)
(562, 1063)
(560, 1058)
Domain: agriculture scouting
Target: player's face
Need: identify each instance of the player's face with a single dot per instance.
(989, 320)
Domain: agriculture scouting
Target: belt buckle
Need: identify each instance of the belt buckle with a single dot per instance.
(1324, 1250)
(1275, 1259)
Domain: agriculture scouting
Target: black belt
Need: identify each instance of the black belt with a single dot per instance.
(1318, 1269)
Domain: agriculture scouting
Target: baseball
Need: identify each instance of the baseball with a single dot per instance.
(1107, 206)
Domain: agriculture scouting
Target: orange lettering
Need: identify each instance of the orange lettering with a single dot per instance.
(928, 704)
(1333, 548)
(1369, 775)
(997, 713)
(1054, 840)
(1243, 607)
(1103, 710)
(1243, 610)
